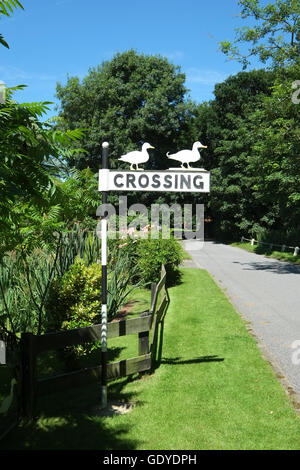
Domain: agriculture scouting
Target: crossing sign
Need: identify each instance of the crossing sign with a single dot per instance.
(166, 181)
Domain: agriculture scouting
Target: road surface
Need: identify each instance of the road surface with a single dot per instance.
(266, 292)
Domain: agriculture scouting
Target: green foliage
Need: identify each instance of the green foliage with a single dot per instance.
(79, 196)
(74, 299)
(121, 282)
(151, 254)
(6, 8)
(289, 237)
(275, 34)
(275, 161)
(270, 251)
(225, 124)
(253, 130)
(24, 286)
(27, 173)
(26, 277)
(131, 99)
(144, 257)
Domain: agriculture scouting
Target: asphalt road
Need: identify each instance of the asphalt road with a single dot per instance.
(266, 292)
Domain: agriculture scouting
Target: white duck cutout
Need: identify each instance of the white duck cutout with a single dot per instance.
(6, 404)
(188, 156)
(136, 157)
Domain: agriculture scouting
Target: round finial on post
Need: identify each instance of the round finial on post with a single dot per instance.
(105, 146)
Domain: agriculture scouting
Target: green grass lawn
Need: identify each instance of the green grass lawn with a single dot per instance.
(265, 250)
(211, 389)
(186, 255)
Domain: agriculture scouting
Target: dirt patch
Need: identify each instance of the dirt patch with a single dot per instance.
(125, 310)
(113, 408)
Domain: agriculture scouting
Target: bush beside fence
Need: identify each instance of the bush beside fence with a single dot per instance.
(32, 345)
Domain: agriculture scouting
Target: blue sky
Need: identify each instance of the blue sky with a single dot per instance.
(51, 39)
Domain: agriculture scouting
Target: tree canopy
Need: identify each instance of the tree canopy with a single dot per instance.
(252, 127)
(132, 99)
(275, 34)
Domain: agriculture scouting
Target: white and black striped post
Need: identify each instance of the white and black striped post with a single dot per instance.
(104, 287)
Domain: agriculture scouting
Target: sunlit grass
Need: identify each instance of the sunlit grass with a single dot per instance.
(211, 389)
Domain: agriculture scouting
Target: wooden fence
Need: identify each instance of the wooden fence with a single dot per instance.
(282, 247)
(144, 326)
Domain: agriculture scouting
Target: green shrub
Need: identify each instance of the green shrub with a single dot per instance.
(75, 302)
(291, 237)
(75, 298)
(151, 254)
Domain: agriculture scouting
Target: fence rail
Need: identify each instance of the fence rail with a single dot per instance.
(283, 247)
(33, 387)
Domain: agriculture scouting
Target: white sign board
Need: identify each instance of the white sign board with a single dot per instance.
(166, 181)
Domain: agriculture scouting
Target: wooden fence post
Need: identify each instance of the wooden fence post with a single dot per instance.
(143, 343)
(153, 288)
(28, 374)
(144, 338)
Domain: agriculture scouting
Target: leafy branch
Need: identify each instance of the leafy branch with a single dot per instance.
(275, 36)
(6, 8)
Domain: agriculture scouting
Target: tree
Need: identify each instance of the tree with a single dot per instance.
(275, 35)
(27, 174)
(253, 129)
(256, 184)
(224, 125)
(275, 158)
(6, 8)
(132, 99)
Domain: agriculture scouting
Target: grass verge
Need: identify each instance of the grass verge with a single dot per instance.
(185, 254)
(265, 250)
(211, 389)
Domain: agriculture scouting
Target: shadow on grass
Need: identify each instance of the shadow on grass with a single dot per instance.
(174, 277)
(197, 360)
(70, 421)
(158, 359)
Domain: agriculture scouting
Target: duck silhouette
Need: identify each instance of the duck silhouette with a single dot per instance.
(188, 156)
(6, 404)
(136, 157)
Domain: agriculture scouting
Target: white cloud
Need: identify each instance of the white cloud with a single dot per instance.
(175, 55)
(9, 72)
(204, 76)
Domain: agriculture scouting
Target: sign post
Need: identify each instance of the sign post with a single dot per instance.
(104, 286)
(172, 180)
